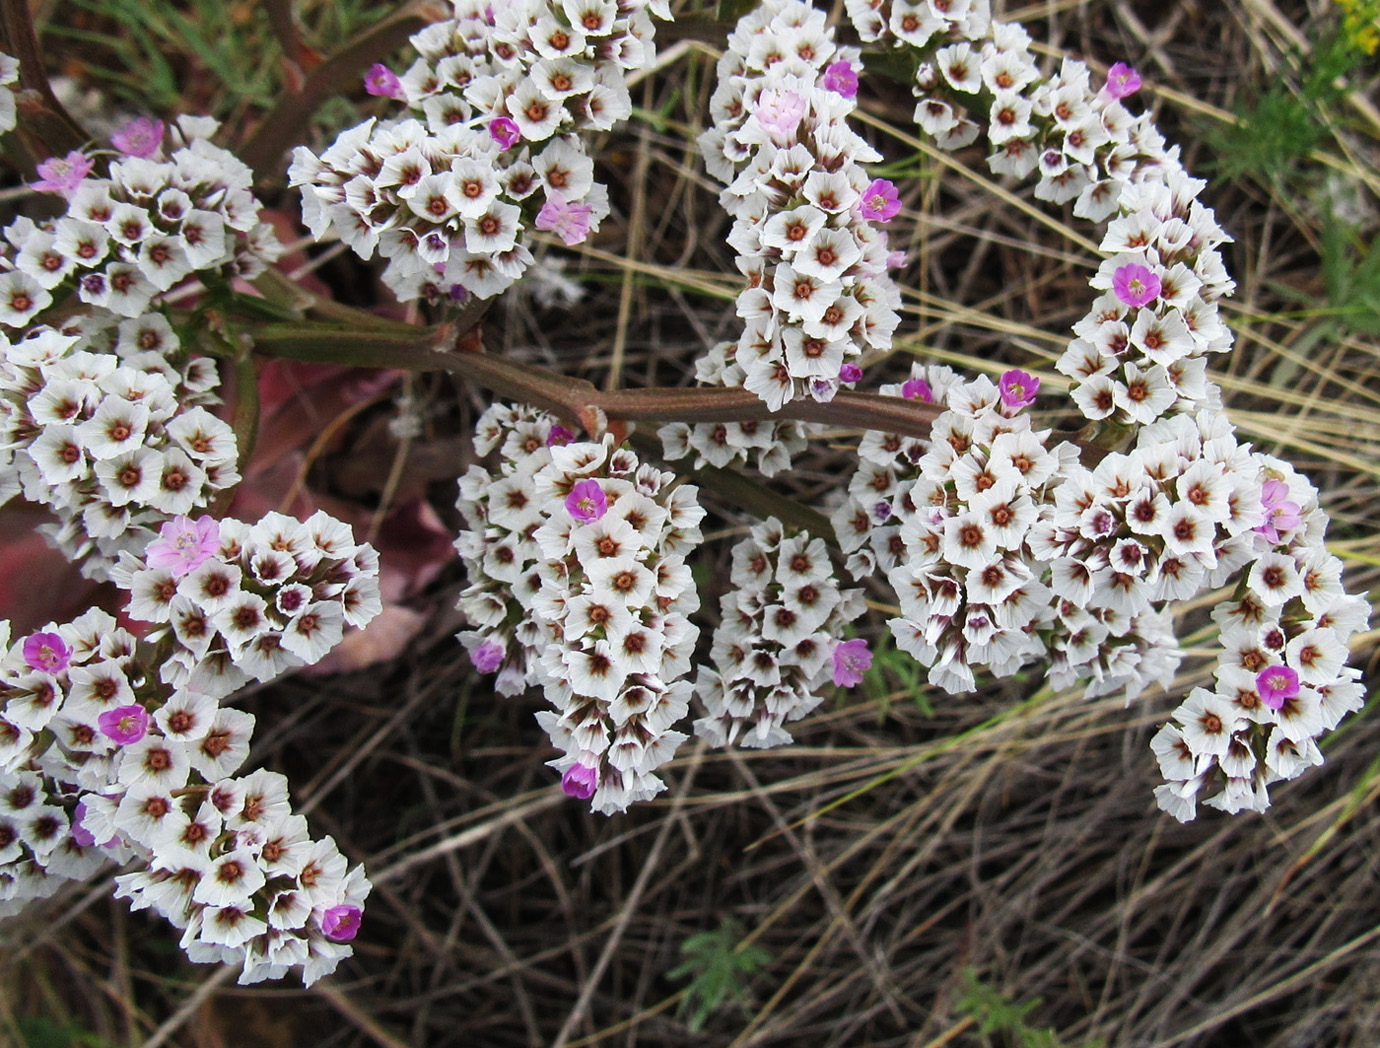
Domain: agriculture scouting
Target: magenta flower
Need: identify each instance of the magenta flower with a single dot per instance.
(183, 545)
(918, 389)
(341, 923)
(63, 174)
(587, 501)
(46, 652)
(1281, 514)
(851, 661)
(1018, 389)
(570, 222)
(841, 78)
(504, 131)
(559, 437)
(580, 781)
(850, 373)
(382, 81)
(142, 138)
(124, 724)
(880, 201)
(1276, 684)
(1135, 284)
(488, 657)
(1122, 80)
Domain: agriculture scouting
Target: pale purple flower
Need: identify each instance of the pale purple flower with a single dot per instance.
(504, 131)
(918, 389)
(63, 174)
(183, 545)
(559, 437)
(46, 652)
(1018, 389)
(851, 661)
(841, 78)
(124, 724)
(880, 201)
(142, 138)
(850, 373)
(81, 836)
(1276, 684)
(1280, 512)
(458, 293)
(1122, 80)
(1135, 284)
(779, 112)
(882, 510)
(587, 501)
(341, 923)
(488, 656)
(570, 222)
(896, 259)
(580, 781)
(382, 81)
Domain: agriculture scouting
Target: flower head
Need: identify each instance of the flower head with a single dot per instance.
(880, 201)
(587, 501)
(841, 78)
(851, 661)
(382, 81)
(341, 923)
(47, 653)
(183, 545)
(1275, 684)
(504, 131)
(488, 656)
(570, 222)
(1135, 284)
(918, 389)
(580, 781)
(1122, 80)
(1018, 389)
(124, 724)
(63, 174)
(141, 138)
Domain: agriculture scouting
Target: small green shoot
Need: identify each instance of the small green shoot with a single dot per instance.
(718, 965)
(996, 1015)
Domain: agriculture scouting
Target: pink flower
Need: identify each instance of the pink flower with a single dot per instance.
(1122, 80)
(880, 201)
(488, 656)
(142, 138)
(1280, 513)
(570, 222)
(779, 112)
(850, 373)
(1018, 389)
(382, 81)
(63, 174)
(587, 501)
(341, 923)
(580, 781)
(47, 653)
(851, 661)
(504, 131)
(183, 545)
(918, 389)
(1135, 284)
(559, 437)
(841, 78)
(1276, 684)
(124, 724)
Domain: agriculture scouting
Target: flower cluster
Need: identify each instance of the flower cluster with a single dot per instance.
(817, 290)
(237, 602)
(114, 443)
(9, 73)
(1281, 679)
(769, 444)
(601, 602)
(151, 223)
(778, 641)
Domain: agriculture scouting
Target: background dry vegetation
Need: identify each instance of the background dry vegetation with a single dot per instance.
(919, 869)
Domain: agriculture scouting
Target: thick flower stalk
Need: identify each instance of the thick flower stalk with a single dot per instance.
(110, 430)
(779, 640)
(804, 211)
